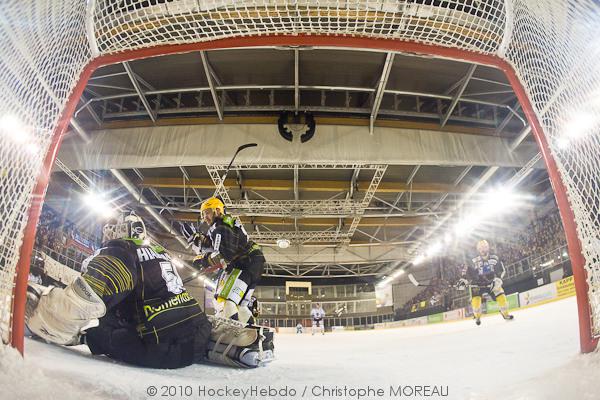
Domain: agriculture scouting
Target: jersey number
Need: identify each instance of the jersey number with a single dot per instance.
(171, 277)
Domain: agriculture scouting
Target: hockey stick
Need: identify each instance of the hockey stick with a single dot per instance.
(415, 282)
(222, 181)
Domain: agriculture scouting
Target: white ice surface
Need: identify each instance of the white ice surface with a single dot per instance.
(536, 356)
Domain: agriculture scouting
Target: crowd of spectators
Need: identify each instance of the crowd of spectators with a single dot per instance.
(541, 235)
(48, 232)
(60, 239)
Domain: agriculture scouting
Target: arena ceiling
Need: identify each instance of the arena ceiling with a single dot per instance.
(401, 143)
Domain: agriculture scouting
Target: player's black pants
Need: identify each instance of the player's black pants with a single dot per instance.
(252, 267)
(186, 343)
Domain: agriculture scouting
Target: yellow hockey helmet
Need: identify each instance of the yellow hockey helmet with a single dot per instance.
(212, 203)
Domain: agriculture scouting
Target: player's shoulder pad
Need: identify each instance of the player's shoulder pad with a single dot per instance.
(494, 257)
(159, 249)
(475, 259)
(228, 220)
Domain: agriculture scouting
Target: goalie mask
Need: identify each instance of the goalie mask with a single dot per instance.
(128, 226)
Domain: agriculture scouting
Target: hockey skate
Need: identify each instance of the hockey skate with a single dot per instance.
(236, 345)
(507, 317)
(477, 320)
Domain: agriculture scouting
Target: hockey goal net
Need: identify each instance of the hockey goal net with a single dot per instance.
(548, 49)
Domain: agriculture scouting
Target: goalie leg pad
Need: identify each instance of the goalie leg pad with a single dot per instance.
(244, 314)
(235, 345)
(61, 313)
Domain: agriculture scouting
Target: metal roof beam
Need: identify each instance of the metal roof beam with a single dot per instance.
(306, 185)
(366, 200)
(296, 80)
(121, 177)
(138, 90)
(409, 183)
(86, 105)
(155, 193)
(458, 94)
(296, 183)
(187, 179)
(385, 73)
(211, 85)
(80, 131)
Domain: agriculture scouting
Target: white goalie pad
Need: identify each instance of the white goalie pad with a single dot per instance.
(235, 345)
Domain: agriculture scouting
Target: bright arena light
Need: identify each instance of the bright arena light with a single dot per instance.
(33, 148)
(99, 205)
(384, 282)
(433, 249)
(283, 243)
(13, 128)
(464, 226)
(419, 260)
(398, 273)
(578, 126)
(448, 238)
(499, 200)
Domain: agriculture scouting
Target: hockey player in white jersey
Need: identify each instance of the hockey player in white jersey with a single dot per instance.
(317, 314)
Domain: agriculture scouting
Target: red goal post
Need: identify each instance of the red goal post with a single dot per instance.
(547, 49)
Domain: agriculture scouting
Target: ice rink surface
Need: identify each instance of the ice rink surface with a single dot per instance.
(536, 356)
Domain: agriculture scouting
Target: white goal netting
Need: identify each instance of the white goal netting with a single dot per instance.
(46, 45)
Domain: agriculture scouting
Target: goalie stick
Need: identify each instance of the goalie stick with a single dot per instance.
(222, 181)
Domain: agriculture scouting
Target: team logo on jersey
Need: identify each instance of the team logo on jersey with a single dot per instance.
(151, 311)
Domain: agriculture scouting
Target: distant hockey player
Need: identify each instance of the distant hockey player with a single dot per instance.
(317, 314)
(485, 276)
(299, 328)
(253, 306)
(146, 316)
(227, 246)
